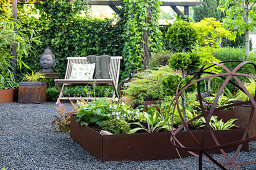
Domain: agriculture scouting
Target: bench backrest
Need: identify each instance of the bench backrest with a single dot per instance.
(114, 66)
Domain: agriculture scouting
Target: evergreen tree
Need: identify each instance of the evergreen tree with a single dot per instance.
(206, 10)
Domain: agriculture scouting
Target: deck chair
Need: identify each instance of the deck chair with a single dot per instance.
(113, 67)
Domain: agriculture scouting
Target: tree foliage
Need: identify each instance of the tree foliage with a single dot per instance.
(8, 37)
(210, 32)
(240, 17)
(207, 10)
(5, 11)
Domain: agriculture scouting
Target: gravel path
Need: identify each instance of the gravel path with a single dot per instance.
(28, 141)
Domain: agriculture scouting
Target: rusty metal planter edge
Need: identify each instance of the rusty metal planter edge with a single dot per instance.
(141, 146)
(8, 95)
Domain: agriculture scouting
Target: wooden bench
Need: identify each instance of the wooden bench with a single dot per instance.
(114, 68)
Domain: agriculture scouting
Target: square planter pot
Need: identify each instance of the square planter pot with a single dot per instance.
(242, 113)
(141, 146)
(32, 92)
(8, 95)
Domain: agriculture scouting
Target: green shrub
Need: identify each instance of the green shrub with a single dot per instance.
(250, 86)
(85, 91)
(52, 94)
(148, 85)
(230, 54)
(181, 37)
(117, 126)
(101, 113)
(170, 84)
(159, 59)
(185, 61)
(164, 29)
(235, 54)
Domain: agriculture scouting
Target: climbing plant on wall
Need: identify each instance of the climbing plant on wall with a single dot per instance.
(68, 34)
(141, 32)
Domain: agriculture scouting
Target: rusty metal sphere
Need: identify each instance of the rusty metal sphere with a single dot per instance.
(202, 147)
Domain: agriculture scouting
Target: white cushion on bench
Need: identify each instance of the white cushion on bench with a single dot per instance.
(82, 71)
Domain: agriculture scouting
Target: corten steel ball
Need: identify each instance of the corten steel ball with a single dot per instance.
(202, 147)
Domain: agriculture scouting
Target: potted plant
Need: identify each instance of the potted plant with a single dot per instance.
(9, 37)
(31, 90)
(8, 88)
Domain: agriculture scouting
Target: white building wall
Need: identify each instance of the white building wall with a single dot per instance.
(252, 36)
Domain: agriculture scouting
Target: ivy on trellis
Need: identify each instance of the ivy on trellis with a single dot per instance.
(141, 33)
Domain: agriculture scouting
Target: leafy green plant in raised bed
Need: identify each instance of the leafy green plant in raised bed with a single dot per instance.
(222, 101)
(118, 118)
(96, 112)
(117, 126)
(154, 122)
(219, 124)
(105, 114)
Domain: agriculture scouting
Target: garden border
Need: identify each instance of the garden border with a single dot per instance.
(141, 146)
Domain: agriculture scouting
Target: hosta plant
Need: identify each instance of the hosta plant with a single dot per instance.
(154, 122)
(219, 124)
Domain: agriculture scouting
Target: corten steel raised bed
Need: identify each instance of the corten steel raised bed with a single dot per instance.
(141, 146)
(7, 95)
(32, 92)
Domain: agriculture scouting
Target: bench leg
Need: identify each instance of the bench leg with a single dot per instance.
(115, 91)
(61, 93)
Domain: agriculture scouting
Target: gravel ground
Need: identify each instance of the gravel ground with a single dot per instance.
(28, 141)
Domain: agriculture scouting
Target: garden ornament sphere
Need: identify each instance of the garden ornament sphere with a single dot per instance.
(202, 147)
(47, 61)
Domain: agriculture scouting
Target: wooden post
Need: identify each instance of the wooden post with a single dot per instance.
(14, 49)
(186, 10)
(177, 10)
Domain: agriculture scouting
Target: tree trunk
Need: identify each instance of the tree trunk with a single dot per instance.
(184, 109)
(246, 20)
(14, 46)
(145, 41)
